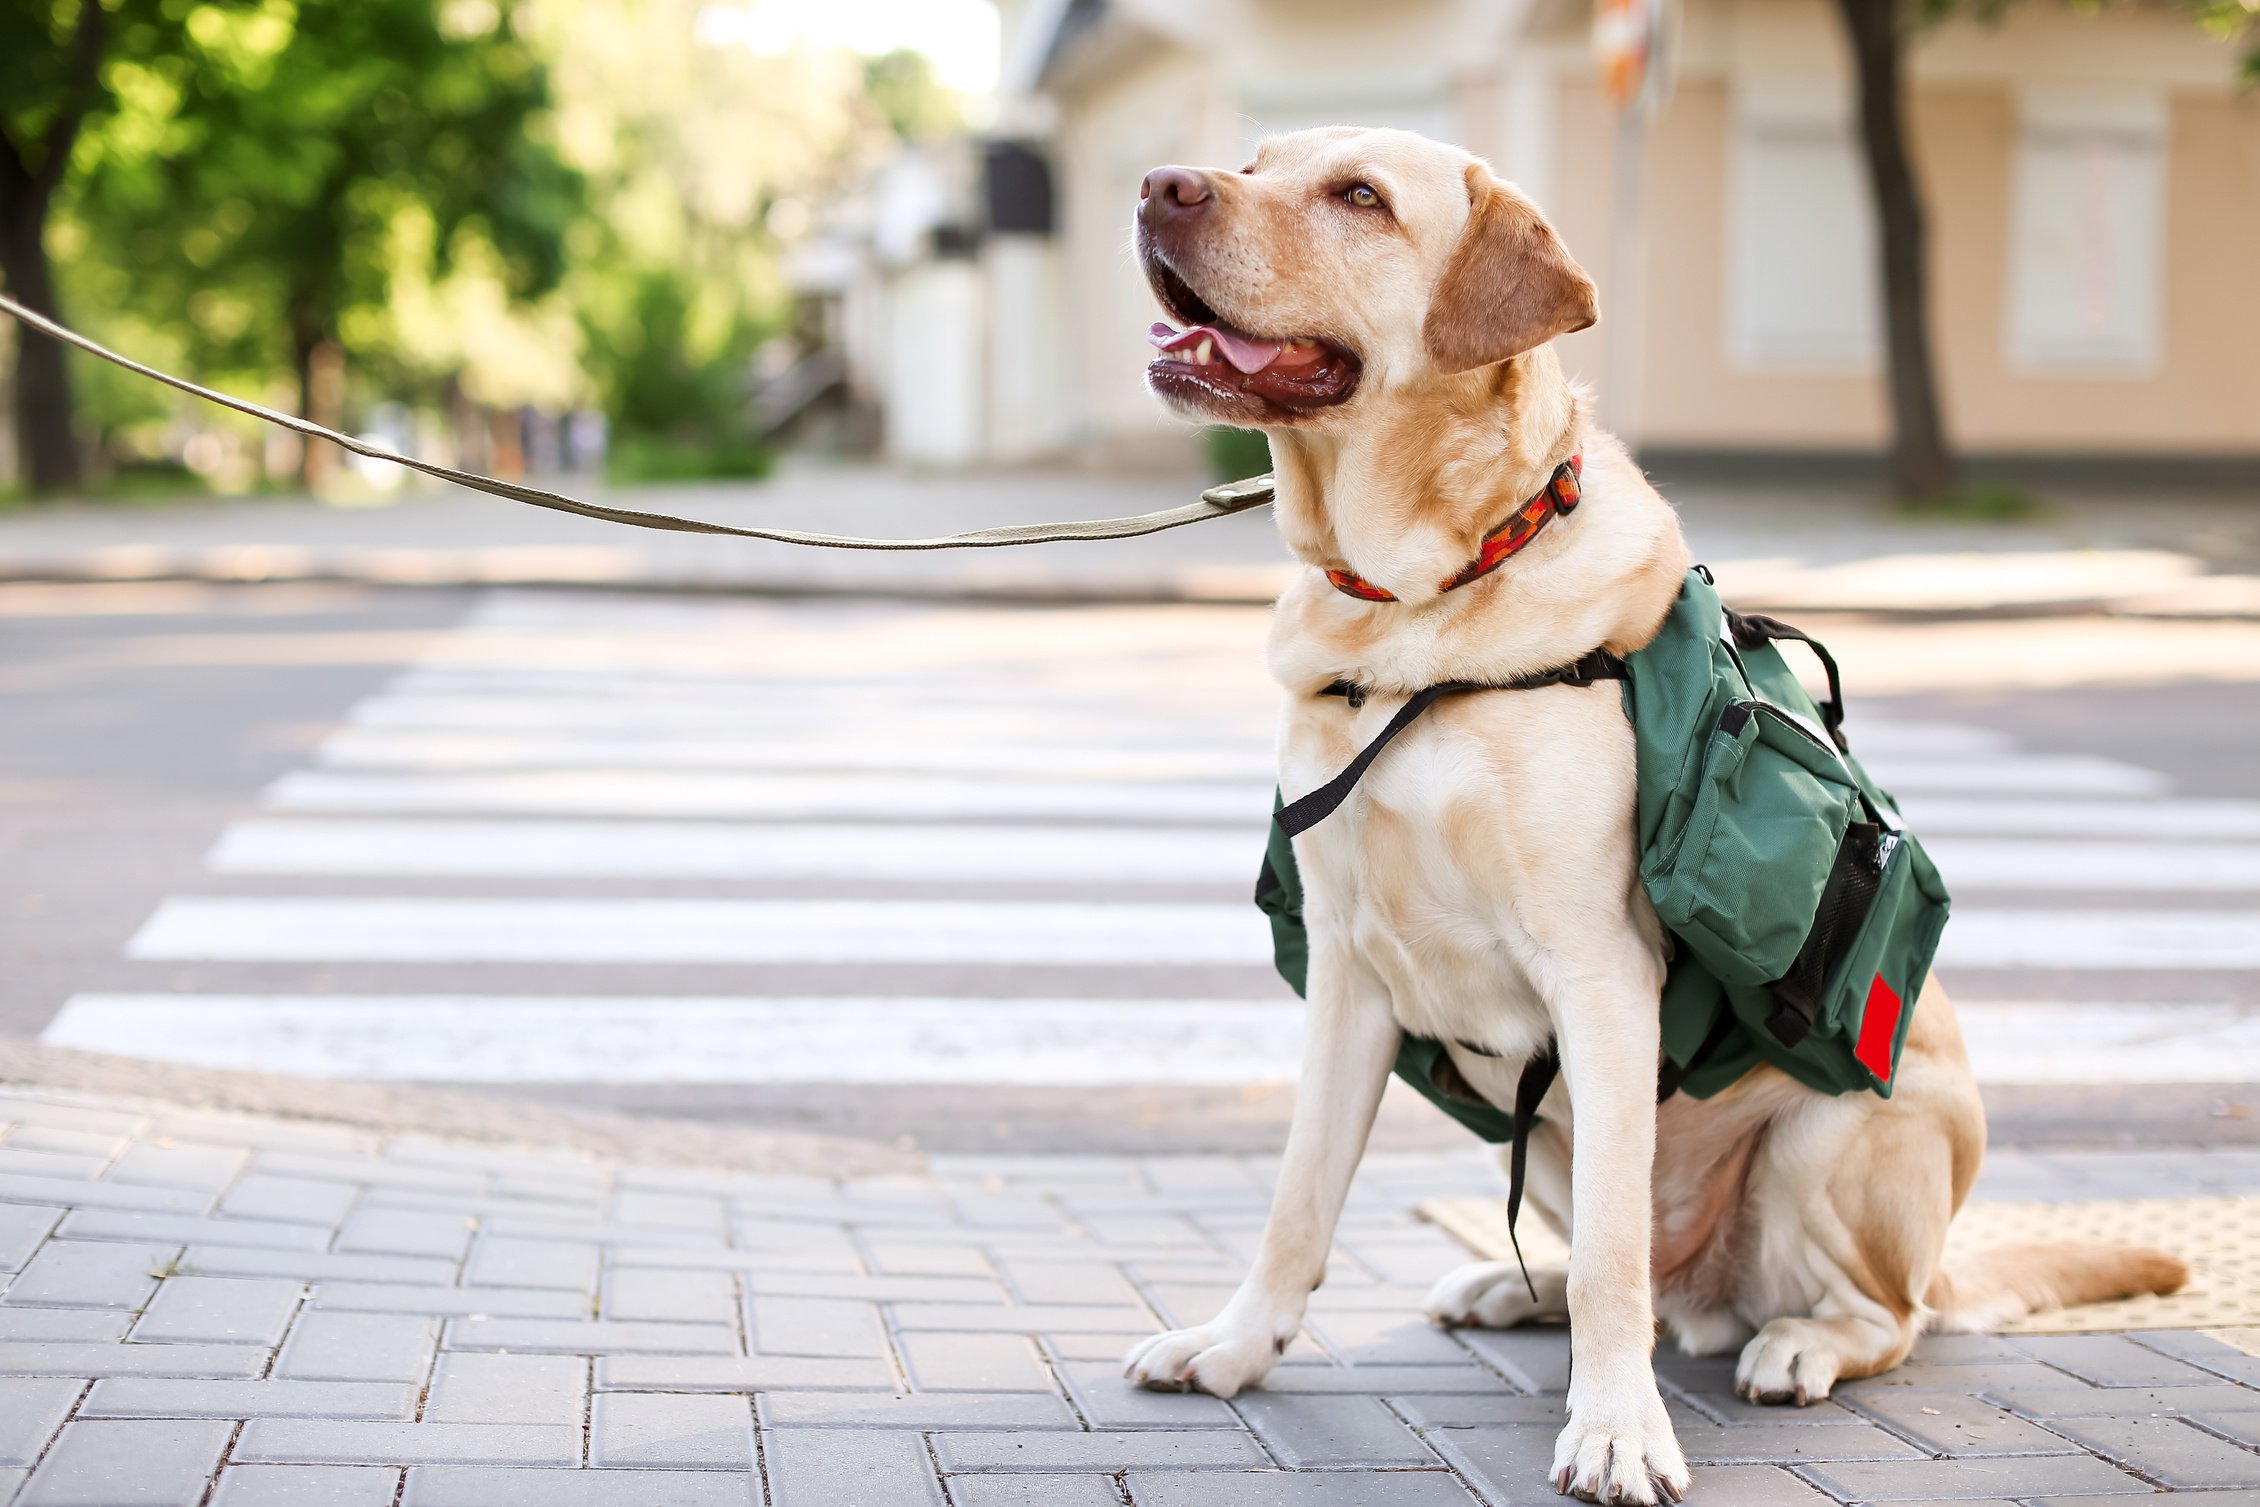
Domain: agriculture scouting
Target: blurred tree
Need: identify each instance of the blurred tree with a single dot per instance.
(486, 200)
(915, 103)
(51, 54)
(2233, 20)
(1922, 460)
(272, 174)
(703, 154)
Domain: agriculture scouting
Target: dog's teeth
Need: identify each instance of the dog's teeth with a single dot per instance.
(1203, 351)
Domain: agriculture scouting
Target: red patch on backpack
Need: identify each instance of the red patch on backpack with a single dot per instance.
(1879, 1027)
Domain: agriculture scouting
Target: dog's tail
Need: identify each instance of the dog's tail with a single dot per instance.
(2010, 1281)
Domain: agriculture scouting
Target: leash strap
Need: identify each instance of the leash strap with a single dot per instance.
(1216, 502)
(1298, 817)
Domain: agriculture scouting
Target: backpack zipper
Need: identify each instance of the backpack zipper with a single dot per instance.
(1731, 724)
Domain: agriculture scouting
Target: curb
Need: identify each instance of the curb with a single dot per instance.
(396, 1110)
(1220, 590)
(1216, 586)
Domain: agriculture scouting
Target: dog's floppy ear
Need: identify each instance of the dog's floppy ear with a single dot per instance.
(1509, 286)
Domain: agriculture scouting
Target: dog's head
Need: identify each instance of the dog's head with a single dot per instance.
(1340, 266)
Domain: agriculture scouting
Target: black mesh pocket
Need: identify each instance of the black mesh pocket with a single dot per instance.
(1853, 883)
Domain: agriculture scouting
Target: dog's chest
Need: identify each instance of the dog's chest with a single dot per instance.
(1440, 874)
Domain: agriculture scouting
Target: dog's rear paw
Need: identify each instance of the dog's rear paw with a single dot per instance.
(1492, 1295)
(1790, 1360)
(1206, 1358)
(1627, 1461)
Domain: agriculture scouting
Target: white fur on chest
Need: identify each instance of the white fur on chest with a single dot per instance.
(1421, 877)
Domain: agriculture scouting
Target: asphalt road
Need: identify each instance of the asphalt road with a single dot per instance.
(542, 845)
(135, 720)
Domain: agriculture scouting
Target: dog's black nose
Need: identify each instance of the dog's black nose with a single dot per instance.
(1169, 192)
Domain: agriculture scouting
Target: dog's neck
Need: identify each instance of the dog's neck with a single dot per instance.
(1406, 499)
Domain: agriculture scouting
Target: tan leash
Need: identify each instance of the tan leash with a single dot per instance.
(1216, 502)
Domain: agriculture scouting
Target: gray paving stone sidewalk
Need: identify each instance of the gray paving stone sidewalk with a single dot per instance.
(246, 1311)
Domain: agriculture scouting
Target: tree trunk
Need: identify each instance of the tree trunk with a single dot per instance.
(44, 436)
(321, 388)
(29, 175)
(1921, 465)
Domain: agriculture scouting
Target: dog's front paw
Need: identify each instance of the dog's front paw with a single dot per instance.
(1621, 1454)
(1790, 1360)
(1217, 1358)
(1493, 1295)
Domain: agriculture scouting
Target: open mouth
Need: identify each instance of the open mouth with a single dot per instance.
(1233, 374)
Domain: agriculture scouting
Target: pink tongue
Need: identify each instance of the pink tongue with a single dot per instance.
(1246, 355)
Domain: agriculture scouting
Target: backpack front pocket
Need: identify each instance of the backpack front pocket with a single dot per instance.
(1771, 811)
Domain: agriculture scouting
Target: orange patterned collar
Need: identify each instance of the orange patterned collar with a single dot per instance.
(1560, 495)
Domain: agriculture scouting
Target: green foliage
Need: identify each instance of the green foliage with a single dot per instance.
(1237, 453)
(661, 368)
(916, 105)
(656, 458)
(274, 170)
(2236, 20)
(512, 201)
(1978, 502)
(150, 481)
(44, 77)
(2231, 20)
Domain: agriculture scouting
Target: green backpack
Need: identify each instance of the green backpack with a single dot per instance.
(1804, 916)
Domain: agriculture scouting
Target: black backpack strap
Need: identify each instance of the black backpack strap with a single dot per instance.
(1754, 628)
(1670, 1076)
(1538, 1075)
(1298, 817)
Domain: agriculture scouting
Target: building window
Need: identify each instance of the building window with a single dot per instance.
(2087, 239)
(1802, 293)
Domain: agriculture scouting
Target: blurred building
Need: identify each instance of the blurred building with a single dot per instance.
(938, 289)
(2093, 183)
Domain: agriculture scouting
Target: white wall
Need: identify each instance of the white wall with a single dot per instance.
(1028, 412)
(934, 346)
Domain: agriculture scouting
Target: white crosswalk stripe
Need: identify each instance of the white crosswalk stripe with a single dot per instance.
(408, 848)
(820, 788)
(673, 792)
(2125, 938)
(2170, 819)
(1979, 863)
(457, 930)
(418, 751)
(2072, 775)
(684, 1040)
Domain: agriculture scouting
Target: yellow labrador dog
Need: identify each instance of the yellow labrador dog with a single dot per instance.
(1381, 306)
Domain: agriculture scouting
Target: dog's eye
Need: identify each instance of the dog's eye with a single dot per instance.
(1363, 196)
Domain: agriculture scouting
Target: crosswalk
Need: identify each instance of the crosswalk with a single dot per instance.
(612, 840)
